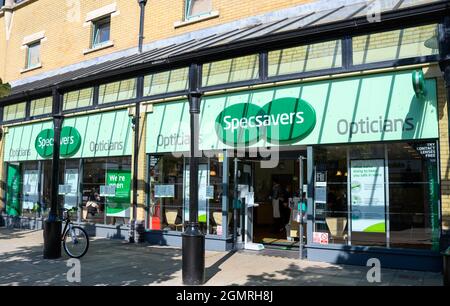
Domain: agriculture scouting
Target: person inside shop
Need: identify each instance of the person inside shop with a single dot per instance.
(285, 211)
(93, 204)
(275, 197)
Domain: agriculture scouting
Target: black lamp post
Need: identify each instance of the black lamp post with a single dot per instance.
(193, 239)
(53, 224)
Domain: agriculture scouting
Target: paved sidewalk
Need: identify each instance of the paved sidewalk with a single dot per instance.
(113, 262)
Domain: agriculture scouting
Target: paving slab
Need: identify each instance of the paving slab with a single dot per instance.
(115, 262)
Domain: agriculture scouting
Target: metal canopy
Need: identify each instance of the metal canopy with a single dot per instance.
(308, 20)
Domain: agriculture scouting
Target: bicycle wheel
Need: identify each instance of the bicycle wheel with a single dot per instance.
(76, 242)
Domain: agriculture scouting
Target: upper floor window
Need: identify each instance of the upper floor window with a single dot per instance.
(394, 45)
(41, 106)
(78, 98)
(14, 111)
(195, 8)
(231, 70)
(166, 81)
(101, 31)
(33, 55)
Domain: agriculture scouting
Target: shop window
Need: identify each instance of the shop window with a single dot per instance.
(231, 70)
(117, 91)
(33, 55)
(324, 55)
(14, 111)
(41, 106)
(413, 195)
(166, 193)
(101, 32)
(106, 190)
(383, 195)
(330, 205)
(394, 45)
(197, 8)
(166, 81)
(78, 98)
(169, 194)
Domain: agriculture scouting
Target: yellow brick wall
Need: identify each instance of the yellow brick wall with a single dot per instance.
(444, 154)
(2, 47)
(229, 10)
(66, 40)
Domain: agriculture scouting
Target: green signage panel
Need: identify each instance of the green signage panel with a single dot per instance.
(69, 144)
(97, 135)
(13, 190)
(119, 204)
(378, 107)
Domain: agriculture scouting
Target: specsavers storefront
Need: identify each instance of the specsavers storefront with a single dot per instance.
(95, 169)
(359, 155)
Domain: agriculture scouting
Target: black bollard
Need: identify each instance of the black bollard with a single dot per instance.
(52, 239)
(193, 255)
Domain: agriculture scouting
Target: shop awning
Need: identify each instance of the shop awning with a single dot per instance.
(311, 20)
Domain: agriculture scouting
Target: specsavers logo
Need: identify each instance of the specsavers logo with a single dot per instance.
(69, 145)
(281, 121)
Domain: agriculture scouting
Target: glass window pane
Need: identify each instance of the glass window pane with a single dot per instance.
(14, 111)
(101, 31)
(117, 91)
(41, 106)
(330, 204)
(78, 98)
(33, 55)
(231, 70)
(166, 81)
(198, 7)
(413, 195)
(97, 207)
(393, 45)
(166, 193)
(325, 55)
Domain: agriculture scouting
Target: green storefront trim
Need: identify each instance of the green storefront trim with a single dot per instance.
(381, 107)
(96, 135)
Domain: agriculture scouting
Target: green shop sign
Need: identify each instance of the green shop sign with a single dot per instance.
(284, 121)
(97, 135)
(381, 107)
(69, 145)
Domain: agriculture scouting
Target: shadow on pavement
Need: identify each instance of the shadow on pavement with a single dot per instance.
(107, 262)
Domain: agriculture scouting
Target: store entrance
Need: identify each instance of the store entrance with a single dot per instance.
(276, 194)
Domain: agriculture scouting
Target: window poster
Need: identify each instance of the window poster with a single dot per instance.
(202, 192)
(30, 189)
(13, 190)
(368, 196)
(71, 181)
(119, 204)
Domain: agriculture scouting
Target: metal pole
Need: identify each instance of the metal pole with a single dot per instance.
(300, 232)
(235, 199)
(53, 224)
(193, 272)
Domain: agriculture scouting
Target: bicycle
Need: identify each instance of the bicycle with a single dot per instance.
(74, 238)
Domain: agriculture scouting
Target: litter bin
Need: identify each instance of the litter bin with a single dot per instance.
(446, 271)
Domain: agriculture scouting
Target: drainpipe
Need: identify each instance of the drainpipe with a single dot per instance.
(444, 63)
(142, 4)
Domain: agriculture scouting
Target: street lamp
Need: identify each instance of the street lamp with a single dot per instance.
(53, 224)
(193, 240)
